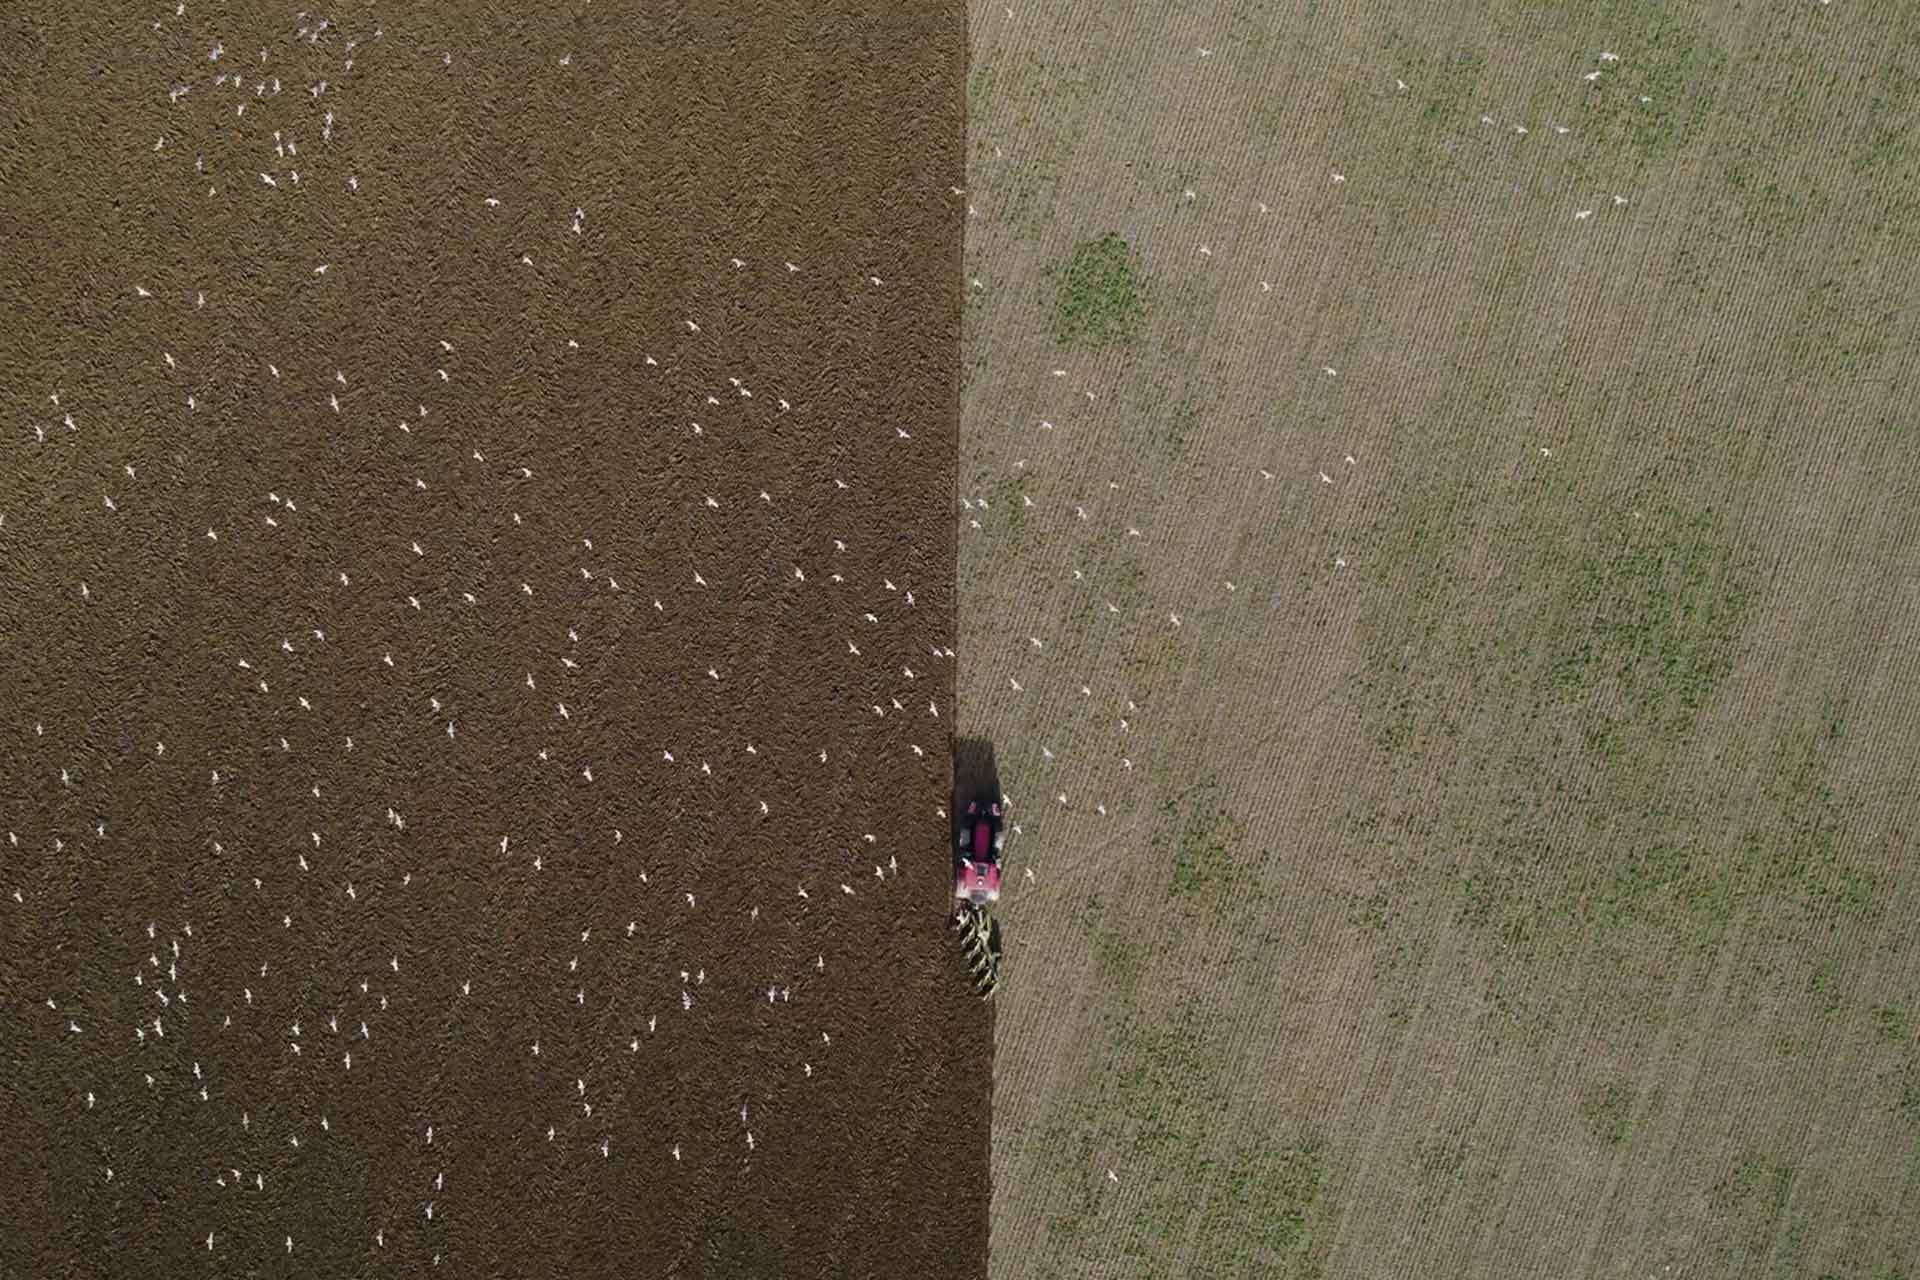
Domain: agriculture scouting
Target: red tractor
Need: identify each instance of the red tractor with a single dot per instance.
(976, 871)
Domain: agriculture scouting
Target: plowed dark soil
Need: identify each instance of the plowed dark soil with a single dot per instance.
(442, 784)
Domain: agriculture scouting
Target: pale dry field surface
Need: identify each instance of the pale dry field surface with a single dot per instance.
(1512, 872)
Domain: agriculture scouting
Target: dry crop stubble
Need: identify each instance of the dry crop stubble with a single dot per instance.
(1601, 806)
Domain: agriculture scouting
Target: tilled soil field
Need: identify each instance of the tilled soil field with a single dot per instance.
(477, 621)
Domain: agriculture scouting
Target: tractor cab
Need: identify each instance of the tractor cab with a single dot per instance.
(976, 877)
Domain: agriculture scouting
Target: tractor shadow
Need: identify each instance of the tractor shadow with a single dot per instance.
(975, 777)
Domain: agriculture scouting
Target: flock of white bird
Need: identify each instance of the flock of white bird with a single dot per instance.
(1606, 59)
(175, 1011)
(978, 510)
(179, 1021)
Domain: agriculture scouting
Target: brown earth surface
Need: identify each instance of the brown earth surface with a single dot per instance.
(393, 737)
